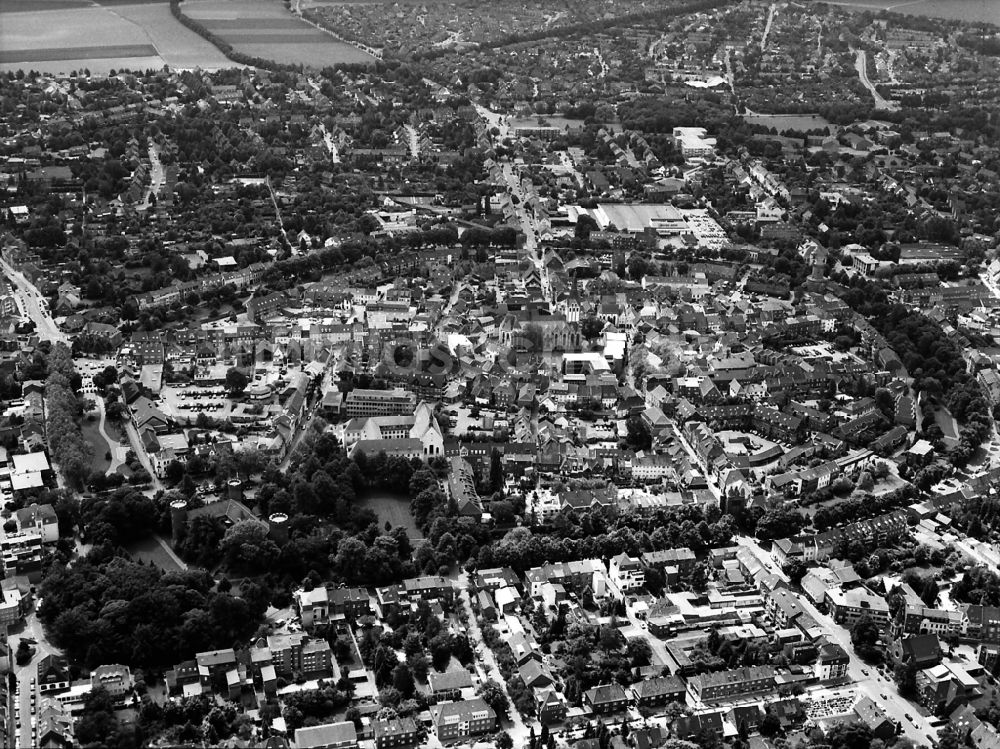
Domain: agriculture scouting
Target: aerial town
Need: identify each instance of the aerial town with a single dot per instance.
(550, 382)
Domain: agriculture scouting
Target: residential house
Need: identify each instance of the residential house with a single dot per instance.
(608, 698)
(462, 720)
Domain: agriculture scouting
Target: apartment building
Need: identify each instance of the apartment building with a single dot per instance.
(733, 684)
(626, 572)
(395, 732)
(397, 402)
(847, 606)
(922, 620)
(460, 720)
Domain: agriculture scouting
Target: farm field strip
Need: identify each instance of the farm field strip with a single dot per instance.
(178, 45)
(50, 39)
(245, 24)
(96, 65)
(264, 29)
(311, 53)
(281, 38)
(34, 6)
(76, 53)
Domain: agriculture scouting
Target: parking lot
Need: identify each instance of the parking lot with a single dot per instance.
(88, 367)
(184, 402)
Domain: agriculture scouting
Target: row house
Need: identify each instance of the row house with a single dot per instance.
(732, 684)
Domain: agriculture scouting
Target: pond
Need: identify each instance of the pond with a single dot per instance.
(394, 509)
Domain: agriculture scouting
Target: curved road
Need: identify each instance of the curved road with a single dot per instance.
(116, 450)
(861, 65)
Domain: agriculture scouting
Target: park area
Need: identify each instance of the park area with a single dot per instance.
(60, 36)
(393, 509)
(266, 30)
(152, 550)
(782, 122)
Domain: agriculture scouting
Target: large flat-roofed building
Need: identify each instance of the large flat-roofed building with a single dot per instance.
(847, 606)
(694, 143)
(637, 218)
(380, 402)
(21, 552)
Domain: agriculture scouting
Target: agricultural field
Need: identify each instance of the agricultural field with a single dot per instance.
(178, 45)
(265, 29)
(59, 36)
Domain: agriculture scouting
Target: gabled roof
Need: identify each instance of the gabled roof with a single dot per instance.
(326, 735)
(606, 694)
(659, 686)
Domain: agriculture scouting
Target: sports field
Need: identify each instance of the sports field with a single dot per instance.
(59, 36)
(265, 29)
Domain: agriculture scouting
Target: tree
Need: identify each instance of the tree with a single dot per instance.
(865, 635)
(496, 471)
(795, 569)
(418, 666)
(440, 649)
(929, 594)
(591, 328)
(97, 726)
(865, 631)
(384, 666)
(780, 523)
(495, 696)
(23, 653)
(770, 724)
(402, 680)
(236, 380)
(503, 741)
(247, 545)
(639, 651)
(905, 675)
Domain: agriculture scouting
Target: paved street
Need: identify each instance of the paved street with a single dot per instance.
(861, 65)
(866, 679)
(29, 300)
(140, 453)
(515, 726)
(27, 673)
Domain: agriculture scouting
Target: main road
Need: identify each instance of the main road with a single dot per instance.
(519, 196)
(26, 676)
(767, 27)
(29, 301)
(861, 65)
(865, 680)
